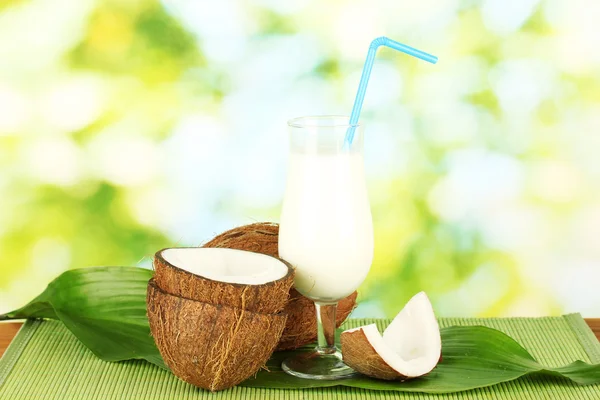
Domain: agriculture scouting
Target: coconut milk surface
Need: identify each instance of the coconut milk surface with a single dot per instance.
(326, 229)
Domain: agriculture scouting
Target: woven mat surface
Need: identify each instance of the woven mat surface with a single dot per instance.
(45, 361)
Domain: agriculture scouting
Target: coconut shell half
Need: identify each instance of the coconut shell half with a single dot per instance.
(409, 347)
(210, 346)
(268, 297)
(301, 327)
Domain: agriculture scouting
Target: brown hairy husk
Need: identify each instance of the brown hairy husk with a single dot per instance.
(210, 346)
(301, 327)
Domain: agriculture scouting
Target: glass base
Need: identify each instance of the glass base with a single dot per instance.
(318, 365)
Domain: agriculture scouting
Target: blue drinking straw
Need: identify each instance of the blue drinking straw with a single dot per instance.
(366, 73)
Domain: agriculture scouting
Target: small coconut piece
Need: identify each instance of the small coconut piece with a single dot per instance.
(301, 326)
(210, 346)
(410, 346)
(235, 278)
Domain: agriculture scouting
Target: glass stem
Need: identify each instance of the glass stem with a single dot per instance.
(326, 327)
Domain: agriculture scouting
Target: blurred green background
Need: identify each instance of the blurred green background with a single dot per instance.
(128, 126)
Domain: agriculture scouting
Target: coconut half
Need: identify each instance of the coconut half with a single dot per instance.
(235, 278)
(410, 346)
(301, 326)
(210, 346)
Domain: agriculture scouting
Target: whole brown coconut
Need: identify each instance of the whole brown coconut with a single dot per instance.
(267, 298)
(210, 346)
(301, 326)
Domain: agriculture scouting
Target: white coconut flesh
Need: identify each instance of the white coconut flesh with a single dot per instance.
(411, 344)
(227, 265)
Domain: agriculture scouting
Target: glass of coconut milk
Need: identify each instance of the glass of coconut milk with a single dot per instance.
(326, 230)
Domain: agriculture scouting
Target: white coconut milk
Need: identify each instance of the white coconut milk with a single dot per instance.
(326, 229)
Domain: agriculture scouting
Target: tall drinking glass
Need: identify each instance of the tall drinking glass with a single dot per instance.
(326, 230)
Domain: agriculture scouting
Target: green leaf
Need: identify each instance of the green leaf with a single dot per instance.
(473, 357)
(104, 307)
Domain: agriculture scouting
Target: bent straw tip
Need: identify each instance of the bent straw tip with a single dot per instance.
(379, 41)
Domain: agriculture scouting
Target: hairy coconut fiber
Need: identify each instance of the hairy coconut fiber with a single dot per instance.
(362, 357)
(267, 298)
(261, 237)
(301, 327)
(211, 346)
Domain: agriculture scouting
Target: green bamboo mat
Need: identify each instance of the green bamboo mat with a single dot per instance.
(45, 361)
